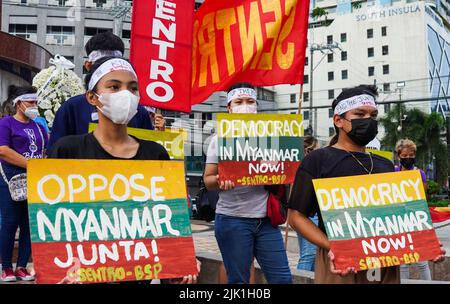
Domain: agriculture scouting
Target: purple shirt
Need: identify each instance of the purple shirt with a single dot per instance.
(422, 174)
(24, 138)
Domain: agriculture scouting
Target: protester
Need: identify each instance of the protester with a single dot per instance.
(20, 139)
(157, 119)
(242, 228)
(307, 249)
(112, 88)
(75, 114)
(406, 153)
(355, 122)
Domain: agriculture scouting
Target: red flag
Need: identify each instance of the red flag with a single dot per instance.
(161, 52)
(257, 41)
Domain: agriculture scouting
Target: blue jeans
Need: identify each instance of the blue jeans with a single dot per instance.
(307, 251)
(14, 215)
(241, 239)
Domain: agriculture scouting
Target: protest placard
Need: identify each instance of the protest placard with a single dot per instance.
(259, 149)
(99, 221)
(386, 154)
(173, 141)
(377, 220)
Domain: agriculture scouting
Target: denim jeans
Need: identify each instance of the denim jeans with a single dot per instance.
(14, 215)
(424, 271)
(307, 257)
(241, 239)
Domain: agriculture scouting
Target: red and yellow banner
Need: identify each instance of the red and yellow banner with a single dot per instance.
(257, 41)
(377, 220)
(95, 221)
(161, 52)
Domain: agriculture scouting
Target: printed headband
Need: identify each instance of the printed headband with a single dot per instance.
(116, 64)
(241, 93)
(25, 97)
(354, 102)
(96, 55)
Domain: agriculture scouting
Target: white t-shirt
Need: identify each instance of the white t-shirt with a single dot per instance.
(242, 201)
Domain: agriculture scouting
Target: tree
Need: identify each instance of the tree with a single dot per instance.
(425, 130)
(319, 12)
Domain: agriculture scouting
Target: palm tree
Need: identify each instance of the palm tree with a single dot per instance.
(425, 130)
(319, 12)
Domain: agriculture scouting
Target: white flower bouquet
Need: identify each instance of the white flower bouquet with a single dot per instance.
(55, 85)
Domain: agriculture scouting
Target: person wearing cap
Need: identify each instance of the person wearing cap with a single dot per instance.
(21, 139)
(242, 229)
(355, 122)
(75, 114)
(112, 88)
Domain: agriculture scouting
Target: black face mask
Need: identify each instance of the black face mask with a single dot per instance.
(363, 131)
(407, 163)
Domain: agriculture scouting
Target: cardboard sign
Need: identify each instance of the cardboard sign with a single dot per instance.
(386, 154)
(161, 52)
(259, 149)
(172, 141)
(97, 221)
(257, 41)
(377, 220)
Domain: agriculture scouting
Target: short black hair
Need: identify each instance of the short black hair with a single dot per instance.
(16, 91)
(240, 85)
(347, 93)
(95, 66)
(104, 41)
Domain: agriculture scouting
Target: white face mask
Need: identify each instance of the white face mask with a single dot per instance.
(31, 112)
(119, 107)
(247, 109)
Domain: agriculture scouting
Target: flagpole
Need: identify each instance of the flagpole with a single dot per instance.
(286, 233)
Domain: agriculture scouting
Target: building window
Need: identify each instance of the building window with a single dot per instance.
(99, 3)
(344, 74)
(293, 98)
(386, 69)
(264, 94)
(305, 79)
(92, 31)
(305, 96)
(330, 113)
(369, 33)
(330, 39)
(306, 115)
(344, 37)
(344, 55)
(371, 71)
(386, 87)
(306, 61)
(385, 49)
(25, 31)
(330, 57)
(387, 108)
(330, 76)
(383, 31)
(330, 94)
(370, 52)
(60, 35)
(331, 131)
(126, 34)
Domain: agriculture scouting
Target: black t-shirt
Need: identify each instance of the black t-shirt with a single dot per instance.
(87, 147)
(324, 163)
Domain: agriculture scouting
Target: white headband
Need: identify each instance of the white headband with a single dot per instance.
(96, 55)
(150, 109)
(25, 97)
(354, 102)
(241, 93)
(112, 65)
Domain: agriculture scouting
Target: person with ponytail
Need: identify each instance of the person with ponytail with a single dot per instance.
(21, 139)
(355, 122)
